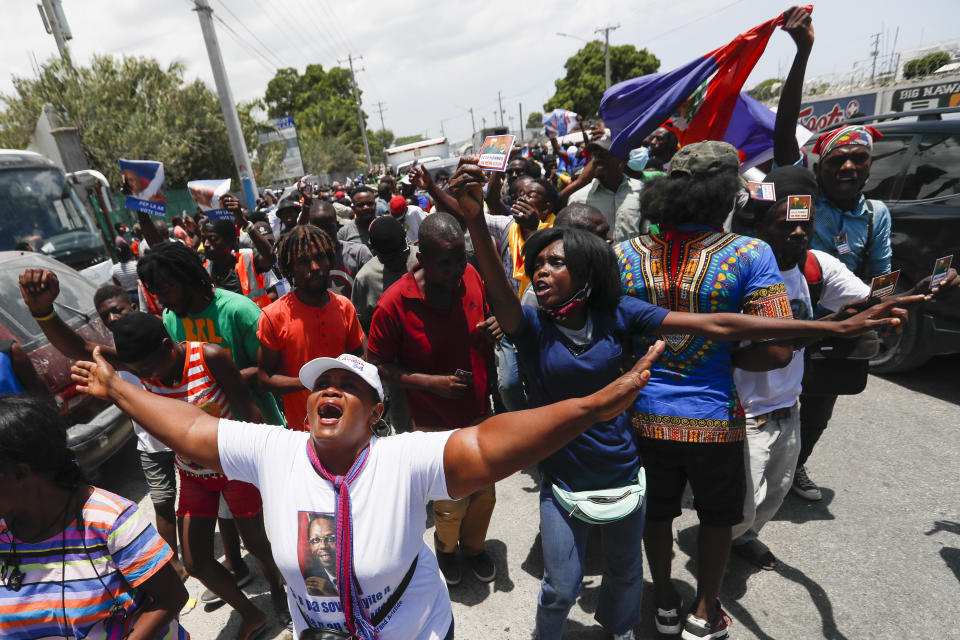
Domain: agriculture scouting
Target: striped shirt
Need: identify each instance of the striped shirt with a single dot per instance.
(198, 387)
(61, 594)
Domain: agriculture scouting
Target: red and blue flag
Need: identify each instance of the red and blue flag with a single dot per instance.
(700, 97)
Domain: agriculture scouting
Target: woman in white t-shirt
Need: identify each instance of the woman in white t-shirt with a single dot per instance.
(343, 508)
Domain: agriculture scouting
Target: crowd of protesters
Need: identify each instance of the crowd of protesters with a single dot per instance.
(313, 374)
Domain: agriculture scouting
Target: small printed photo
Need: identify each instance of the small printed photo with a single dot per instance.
(762, 191)
(884, 285)
(317, 552)
(940, 270)
(798, 208)
(495, 152)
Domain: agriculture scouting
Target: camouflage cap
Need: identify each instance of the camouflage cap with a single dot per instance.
(702, 159)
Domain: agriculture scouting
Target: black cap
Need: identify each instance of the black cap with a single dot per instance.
(792, 180)
(136, 335)
(387, 235)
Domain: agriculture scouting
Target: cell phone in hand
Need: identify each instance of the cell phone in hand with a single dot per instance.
(462, 373)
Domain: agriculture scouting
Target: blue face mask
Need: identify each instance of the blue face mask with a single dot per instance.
(639, 158)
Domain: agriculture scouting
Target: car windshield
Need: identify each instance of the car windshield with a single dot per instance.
(40, 210)
(74, 304)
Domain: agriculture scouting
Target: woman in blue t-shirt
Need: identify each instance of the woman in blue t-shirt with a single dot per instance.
(570, 346)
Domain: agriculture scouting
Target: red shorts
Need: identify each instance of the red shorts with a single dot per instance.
(200, 496)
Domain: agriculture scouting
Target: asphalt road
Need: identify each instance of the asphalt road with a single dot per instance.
(879, 556)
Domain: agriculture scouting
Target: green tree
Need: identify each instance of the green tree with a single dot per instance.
(766, 90)
(127, 107)
(534, 121)
(379, 140)
(408, 139)
(581, 89)
(322, 106)
(926, 64)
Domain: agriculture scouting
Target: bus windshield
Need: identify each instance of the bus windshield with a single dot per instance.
(40, 211)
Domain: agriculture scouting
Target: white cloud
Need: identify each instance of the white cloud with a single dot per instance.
(426, 59)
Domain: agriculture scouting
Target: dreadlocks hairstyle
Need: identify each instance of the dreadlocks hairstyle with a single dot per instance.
(299, 241)
(177, 263)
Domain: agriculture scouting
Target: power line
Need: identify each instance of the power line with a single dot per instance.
(269, 66)
(319, 26)
(254, 35)
(293, 25)
(337, 31)
(695, 20)
(280, 29)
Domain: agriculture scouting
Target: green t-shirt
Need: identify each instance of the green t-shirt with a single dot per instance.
(230, 321)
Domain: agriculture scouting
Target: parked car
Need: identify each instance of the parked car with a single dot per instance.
(98, 429)
(916, 172)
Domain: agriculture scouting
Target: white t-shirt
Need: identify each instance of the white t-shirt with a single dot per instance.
(411, 222)
(145, 442)
(388, 501)
(765, 391)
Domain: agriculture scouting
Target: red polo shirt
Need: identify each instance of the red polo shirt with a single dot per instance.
(423, 338)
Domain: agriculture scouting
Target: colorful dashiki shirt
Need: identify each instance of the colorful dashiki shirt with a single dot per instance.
(691, 396)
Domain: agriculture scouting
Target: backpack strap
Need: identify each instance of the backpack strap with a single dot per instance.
(861, 270)
(813, 274)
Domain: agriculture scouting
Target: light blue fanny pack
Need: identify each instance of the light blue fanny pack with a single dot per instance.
(601, 506)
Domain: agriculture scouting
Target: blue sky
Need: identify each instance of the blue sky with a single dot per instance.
(429, 61)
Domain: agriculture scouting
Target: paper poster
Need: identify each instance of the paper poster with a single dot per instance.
(884, 285)
(798, 208)
(940, 269)
(206, 193)
(762, 191)
(495, 152)
(144, 178)
(559, 122)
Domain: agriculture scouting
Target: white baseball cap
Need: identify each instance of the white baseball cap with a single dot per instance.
(313, 369)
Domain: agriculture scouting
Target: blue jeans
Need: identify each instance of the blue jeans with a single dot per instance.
(564, 545)
(508, 376)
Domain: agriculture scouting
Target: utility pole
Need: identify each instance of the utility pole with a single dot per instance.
(875, 53)
(473, 125)
(240, 157)
(521, 122)
(55, 22)
(379, 106)
(500, 102)
(606, 49)
(442, 133)
(484, 122)
(356, 98)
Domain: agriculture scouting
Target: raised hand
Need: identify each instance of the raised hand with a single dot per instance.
(618, 396)
(232, 205)
(39, 288)
(94, 378)
(798, 23)
(466, 184)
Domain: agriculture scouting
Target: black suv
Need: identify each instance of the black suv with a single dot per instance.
(916, 172)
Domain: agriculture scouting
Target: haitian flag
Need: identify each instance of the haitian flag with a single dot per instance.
(144, 178)
(751, 132)
(700, 96)
(559, 122)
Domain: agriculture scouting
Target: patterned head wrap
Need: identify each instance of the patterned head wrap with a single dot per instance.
(850, 135)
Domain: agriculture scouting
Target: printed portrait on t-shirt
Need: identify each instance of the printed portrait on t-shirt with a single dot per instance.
(317, 551)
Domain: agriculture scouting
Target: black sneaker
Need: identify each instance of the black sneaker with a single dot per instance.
(450, 568)
(242, 576)
(482, 566)
(804, 487)
(668, 620)
(695, 628)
